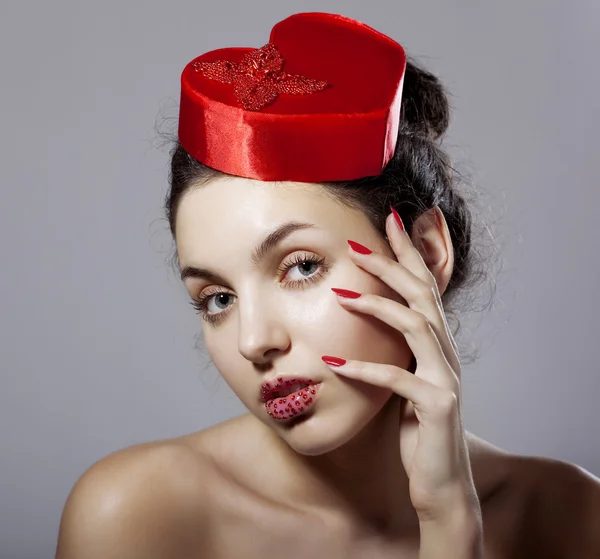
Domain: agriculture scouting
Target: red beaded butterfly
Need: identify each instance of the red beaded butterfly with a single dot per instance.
(259, 79)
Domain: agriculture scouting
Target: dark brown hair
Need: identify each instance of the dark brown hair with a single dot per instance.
(419, 177)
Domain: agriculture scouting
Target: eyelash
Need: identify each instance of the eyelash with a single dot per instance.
(213, 318)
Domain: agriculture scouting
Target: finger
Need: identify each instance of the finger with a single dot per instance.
(418, 332)
(432, 401)
(420, 296)
(404, 249)
(408, 255)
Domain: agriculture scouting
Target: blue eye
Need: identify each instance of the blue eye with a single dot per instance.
(202, 304)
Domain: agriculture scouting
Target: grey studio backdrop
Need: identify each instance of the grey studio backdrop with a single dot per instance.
(99, 348)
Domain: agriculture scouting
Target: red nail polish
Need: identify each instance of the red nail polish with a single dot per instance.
(335, 361)
(346, 293)
(398, 219)
(357, 247)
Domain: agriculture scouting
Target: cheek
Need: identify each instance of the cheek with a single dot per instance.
(223, 352)
(362, 337)
(233, 370)
(330, 329)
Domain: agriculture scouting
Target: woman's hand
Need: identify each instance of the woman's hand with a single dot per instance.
(432, 438)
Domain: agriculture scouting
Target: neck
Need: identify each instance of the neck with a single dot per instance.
(363, 480)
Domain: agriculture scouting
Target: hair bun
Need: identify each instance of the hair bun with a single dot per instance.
(425, 109)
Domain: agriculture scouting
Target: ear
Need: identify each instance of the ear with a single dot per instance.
(431, 237)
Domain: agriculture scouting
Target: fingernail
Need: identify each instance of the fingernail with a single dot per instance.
(335, 361)
(398, 219)
(346, 293)
(357, 247)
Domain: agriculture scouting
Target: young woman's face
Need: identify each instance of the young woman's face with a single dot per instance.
(278, 316)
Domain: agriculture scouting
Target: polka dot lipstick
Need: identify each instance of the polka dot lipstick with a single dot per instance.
(290, 405)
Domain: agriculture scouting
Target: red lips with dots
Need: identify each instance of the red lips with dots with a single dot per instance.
(293, 404)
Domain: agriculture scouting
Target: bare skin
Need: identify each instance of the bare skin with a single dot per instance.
(507, 486)
(333, 485)
(212, 501)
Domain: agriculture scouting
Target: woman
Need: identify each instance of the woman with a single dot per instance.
(320, 239)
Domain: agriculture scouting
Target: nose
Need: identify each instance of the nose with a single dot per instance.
(261, 333)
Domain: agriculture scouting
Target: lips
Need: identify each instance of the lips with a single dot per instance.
(293, 405)
(283, 386)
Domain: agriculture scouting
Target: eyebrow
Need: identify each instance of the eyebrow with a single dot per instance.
(267, 245)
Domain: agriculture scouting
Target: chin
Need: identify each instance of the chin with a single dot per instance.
(325, 428)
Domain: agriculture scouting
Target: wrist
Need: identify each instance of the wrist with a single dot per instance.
(456, 503)
(458, 535)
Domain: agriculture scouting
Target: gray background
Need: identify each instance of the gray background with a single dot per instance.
(97, 342)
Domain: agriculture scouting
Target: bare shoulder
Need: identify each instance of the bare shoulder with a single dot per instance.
(563, 508)
(535, 506)
(147, 501)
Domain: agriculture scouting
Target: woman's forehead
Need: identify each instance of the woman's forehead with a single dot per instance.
(235, 198)
(236, 213)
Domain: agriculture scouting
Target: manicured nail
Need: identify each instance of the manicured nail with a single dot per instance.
(357, 247)
(346, 293)
(335, 361)
(398, 219)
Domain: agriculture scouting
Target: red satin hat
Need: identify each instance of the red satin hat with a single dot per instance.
(319, 102)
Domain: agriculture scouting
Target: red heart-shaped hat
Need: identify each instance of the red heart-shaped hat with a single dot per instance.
(319, 102)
